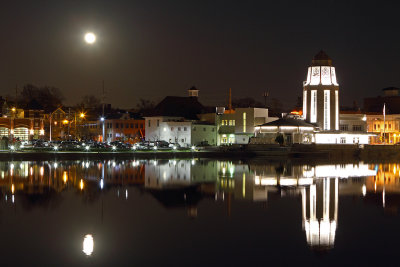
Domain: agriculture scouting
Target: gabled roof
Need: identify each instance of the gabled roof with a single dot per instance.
(176, 106)
(289, 122)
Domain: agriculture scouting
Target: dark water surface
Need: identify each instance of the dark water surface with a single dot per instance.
(198, 213)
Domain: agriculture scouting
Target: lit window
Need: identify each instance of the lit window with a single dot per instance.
(244, 122)
(327, 109)
(313, 106)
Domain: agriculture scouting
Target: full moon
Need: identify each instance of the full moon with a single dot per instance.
(90, 38)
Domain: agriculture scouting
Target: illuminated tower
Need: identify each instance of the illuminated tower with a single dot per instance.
(320, 211)
(321, 94)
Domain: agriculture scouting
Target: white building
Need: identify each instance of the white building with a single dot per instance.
(238, 125)
(322, 123)
(178, 130)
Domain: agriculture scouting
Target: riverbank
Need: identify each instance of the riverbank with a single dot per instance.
(367, 153)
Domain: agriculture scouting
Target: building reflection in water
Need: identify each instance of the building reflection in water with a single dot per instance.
(319, 190)
(184, 183)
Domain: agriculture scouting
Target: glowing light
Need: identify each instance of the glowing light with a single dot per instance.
(55, 165)
(288, 182)
(55, 148)
(101, 183)
(41, 171)
(174, 147)
(364, 190)
(65, 176)
(13, 109)
(81, 185)
(12, 189)
(343, 171)
(88, 245)
(333, 74)
(308, 77)
(82, 115)
(90, 38)
(305, 103)
(315, 76)
(12, 147)
(322, 138)
(327, 110)
(12, 131)
(41, 132)
(326, 75)
(305, 181)
(193, 147)
(114, 147)
(31, 132)
(126, 194)
(313, 107)
(65, 121)
(87, 147)
(337, 110)
(102, 118)
(155, 147)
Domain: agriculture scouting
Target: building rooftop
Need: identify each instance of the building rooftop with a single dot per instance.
(321, 59)
(177, 106)
(289, 122)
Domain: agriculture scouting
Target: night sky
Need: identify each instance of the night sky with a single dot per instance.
(150, 49)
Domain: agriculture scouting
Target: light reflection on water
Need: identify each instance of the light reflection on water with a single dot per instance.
(183, 184)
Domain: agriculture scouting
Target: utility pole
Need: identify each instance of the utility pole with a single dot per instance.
(69, 120)
(384, 122)
(103, 98)
(230, 99)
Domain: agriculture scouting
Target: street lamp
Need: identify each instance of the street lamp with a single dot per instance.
(103, 134)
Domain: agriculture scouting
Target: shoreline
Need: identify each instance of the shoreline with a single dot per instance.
(298, 153)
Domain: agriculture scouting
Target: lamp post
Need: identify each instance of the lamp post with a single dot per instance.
(103, 133)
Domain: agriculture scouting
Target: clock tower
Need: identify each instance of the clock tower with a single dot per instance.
(321, 94)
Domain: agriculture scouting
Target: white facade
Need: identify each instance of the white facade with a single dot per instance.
(237, 126)
(342, 138)
(177, 130)
(321, 94)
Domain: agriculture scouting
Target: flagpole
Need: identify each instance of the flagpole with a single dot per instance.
(384, 123)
